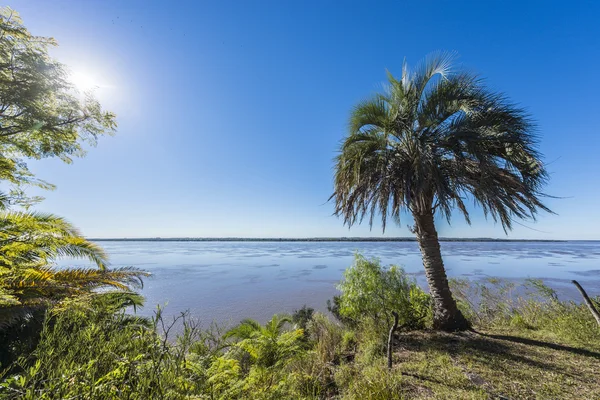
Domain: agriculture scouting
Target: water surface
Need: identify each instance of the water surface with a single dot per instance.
(228, 281)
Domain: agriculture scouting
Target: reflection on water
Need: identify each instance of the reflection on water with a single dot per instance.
(228, 281)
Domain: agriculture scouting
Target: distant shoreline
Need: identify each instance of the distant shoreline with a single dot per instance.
(318, 239)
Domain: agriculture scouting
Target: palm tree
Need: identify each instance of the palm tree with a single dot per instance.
(29, 281)
(431, 142)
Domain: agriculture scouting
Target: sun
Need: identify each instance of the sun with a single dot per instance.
(83, 82)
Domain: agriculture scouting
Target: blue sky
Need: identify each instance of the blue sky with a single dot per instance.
(230, 113)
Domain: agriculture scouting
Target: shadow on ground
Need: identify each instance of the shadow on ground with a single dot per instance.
(496, 365)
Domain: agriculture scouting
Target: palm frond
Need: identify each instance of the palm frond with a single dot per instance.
(245, 330)
(33, 237)
(428, 144)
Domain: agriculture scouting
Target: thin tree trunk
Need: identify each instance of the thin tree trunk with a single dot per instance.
(446, 315)
(390, 346)
(588, 302)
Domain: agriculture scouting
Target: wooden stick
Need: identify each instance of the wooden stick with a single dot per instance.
(390, 346)
(588, 302)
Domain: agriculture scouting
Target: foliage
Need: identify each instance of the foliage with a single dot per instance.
(267, 345)
(533, 306)
(485, 301)
(327, 338)
(371, 292)
(30, 283)
(41, 114)
(92, 350)
(31, 239)
(105, 356)
(29, 243)
(302, 316)
(333, 306)
(432, 138)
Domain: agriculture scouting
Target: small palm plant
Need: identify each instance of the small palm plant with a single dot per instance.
(429, 144)
(29, 243)
(267, 345)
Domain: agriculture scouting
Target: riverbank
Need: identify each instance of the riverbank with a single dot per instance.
(540, 349)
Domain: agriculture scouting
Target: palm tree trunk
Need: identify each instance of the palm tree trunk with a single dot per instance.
(446, 315)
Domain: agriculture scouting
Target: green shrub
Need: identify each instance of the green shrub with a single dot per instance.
(267, 346)
(309, 377)
(302, 316)
(370, 292)
(533, 306)
(374, 382)
(349, 341)
(224, 378)
(486, 302)
(105, 356)
(326, 337)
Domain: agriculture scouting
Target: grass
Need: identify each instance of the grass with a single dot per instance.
(527, 344)
(495, 364)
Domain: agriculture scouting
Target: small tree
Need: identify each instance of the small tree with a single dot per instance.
(370, 291)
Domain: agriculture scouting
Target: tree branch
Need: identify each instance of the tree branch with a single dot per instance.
(588, 302)
(390, 346)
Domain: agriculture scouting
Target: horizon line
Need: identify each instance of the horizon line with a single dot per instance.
(327, 239)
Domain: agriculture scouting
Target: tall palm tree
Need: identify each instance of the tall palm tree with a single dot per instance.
(29, 281)
(432, 141)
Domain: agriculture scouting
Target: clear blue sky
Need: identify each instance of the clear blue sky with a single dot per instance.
(230, 112)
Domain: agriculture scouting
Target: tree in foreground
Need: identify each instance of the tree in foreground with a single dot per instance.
(432, 141)
(29, 280)
(31, 283)
(41, 113)
(43, 116)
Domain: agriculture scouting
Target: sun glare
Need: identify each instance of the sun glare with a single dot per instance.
(83, 82)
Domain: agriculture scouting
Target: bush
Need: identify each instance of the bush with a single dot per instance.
(267, 346)
(302, 316)
(105, 356)
(502, 304)
(92, 350)
(371, 382)
(326, 337)
(370, 292)
(485, 302)
(311, 374)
